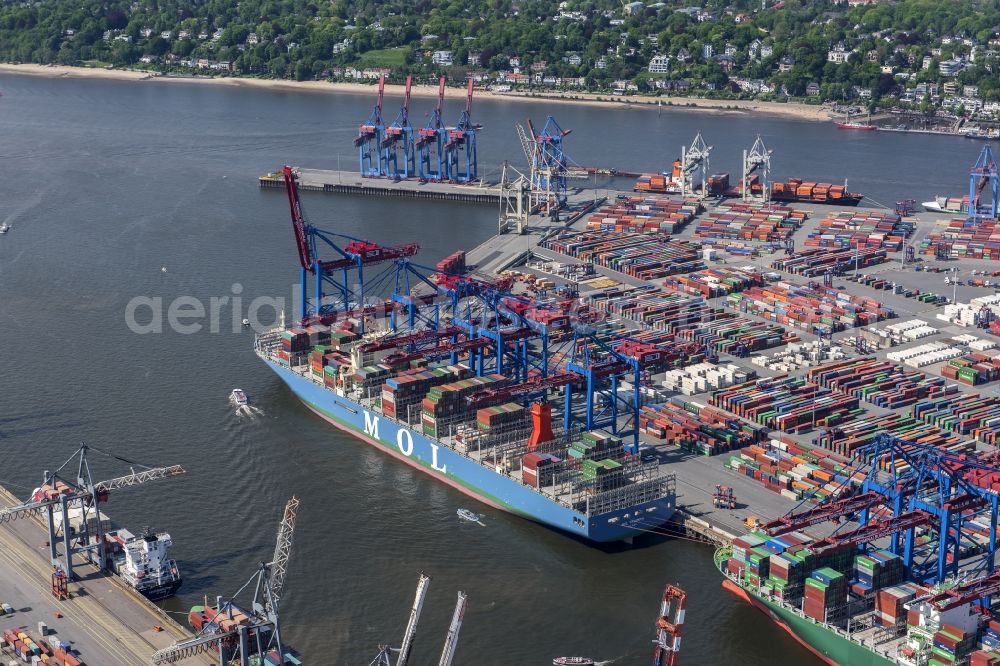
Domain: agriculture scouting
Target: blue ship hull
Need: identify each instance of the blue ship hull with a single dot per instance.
(467, 475)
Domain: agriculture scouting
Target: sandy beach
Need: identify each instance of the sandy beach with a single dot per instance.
(637, 102)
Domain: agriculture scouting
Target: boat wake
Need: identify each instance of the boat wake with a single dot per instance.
(249, 411)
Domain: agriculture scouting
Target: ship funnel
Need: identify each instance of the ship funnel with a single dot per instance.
(541, 422)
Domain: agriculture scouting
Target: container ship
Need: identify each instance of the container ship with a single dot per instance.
(465, 397)
(904, 572)
(796, 190)
(663, 183)
(947, 205)
(143, 563)
(505, 455)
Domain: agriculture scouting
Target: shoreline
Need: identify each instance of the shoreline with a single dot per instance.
(638, 102)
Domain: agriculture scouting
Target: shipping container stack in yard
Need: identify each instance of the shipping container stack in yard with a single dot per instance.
(714, 282)
(635, 214)
(750, 222)
(642, 256)
(964, 239)
(866, 230)
(813, 308)
(794, 470)
(49, 650)
(882, 383)
(816, 262)
(698, 428)
(790, 404)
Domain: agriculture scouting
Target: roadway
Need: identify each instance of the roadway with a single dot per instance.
(107, 624)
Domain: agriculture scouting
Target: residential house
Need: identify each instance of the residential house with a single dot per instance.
(340, 47)
(838, 54)
(539, 65)
(950, 88)
(707, 51)
(785, 64)
(634, 8)
(683, 55)
(970, 91)
(928, 61)
(872, 55)
(812, 90)
(659, 64)
(573, 59)
(950, 67)
(754, 48)
(515, 61)
(731, 50)
(726, 62)
(472, 60)
(252, 39)
(145, 33)
(766, 50)
(443, 58)
(601, 63)
(166, 34)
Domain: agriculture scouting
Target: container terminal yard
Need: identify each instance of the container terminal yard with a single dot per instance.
(709, 362)
(786, 361)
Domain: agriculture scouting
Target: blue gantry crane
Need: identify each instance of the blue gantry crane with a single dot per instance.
(345, 272)
(541, 346)
(550, 161)
(398, 151)
(369, 138)
(909, 487)
(460, 148)
(984, 173)
(430, 142)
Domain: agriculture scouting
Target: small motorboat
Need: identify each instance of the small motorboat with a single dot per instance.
(465, 514)
(239, 398)
(246, 322)
(4, 228)
(572, 661)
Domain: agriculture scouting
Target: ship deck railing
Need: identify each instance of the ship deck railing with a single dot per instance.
(646, 481)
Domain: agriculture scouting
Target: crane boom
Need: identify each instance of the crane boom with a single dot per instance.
(186, 648)
(283, 549)
(821, 513)
(135, 478)
(451, 642)
(411, 626)
(298, 223)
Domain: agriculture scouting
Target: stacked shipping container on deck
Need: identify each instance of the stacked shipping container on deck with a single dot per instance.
(446, 404)
(399, 393)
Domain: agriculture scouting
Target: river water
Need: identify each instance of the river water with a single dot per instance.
(124, 189)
